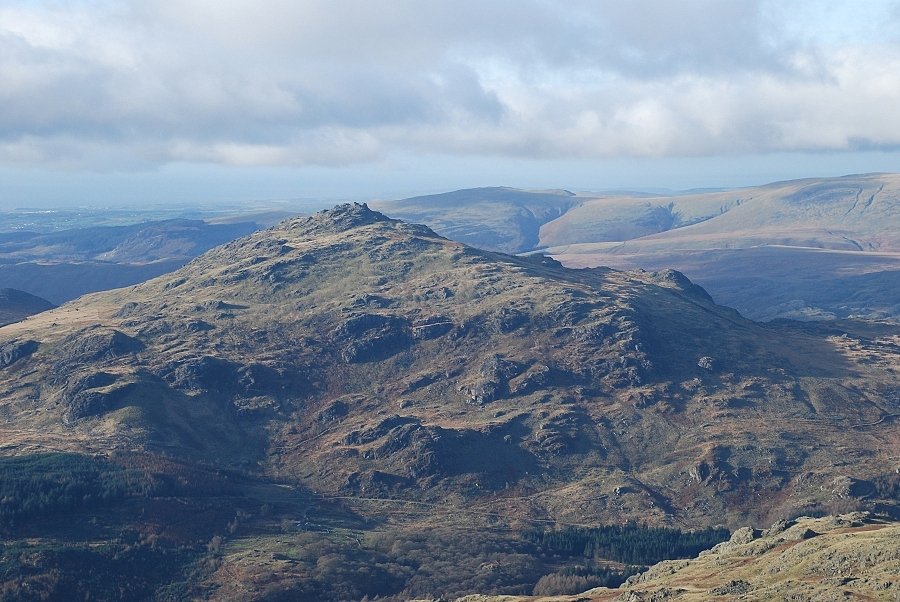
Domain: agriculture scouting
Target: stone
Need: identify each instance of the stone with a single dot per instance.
(13, 351)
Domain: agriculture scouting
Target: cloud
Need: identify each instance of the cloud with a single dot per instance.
(119, 85)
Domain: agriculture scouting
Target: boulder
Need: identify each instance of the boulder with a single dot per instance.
(707, 363)
(96, 344)
(744, 535)
(432, 327)
(371, 337)
(13, 351)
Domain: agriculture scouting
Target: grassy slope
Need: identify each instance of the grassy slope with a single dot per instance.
(846, 557)
(852, 213)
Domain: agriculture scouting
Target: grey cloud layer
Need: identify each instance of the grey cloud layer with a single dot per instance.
(118, 84)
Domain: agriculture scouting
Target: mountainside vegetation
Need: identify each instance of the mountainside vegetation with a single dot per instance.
(346, 405)
(852, 556)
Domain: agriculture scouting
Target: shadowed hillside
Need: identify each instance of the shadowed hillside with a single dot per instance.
(17, 305)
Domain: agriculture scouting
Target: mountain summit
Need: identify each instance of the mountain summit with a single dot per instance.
(426, 358)
(341, 217)
(368, 359)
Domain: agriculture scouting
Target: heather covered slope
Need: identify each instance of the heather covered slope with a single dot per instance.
(368, 377)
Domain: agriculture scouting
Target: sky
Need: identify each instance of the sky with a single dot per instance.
(150, 102)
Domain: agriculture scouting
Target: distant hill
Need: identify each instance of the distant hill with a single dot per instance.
(855, 213)
(63, 281)
(145, 242)
(806, 249)
(809, 249)
(62, 265)
(17, 305)
(497, 219)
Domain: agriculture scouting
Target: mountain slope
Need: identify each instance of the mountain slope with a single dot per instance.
(850, 213)
(351, 315)
(417, 385)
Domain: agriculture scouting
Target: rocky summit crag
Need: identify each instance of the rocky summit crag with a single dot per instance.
(401, 378)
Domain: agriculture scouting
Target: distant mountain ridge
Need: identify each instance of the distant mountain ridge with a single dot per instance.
(818, 212)
(497, 218)
(65, 264)
(847, 213)
(144, 242)
(740, 244)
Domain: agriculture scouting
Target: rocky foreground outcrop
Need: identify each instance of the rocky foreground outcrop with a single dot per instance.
(853, 556)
